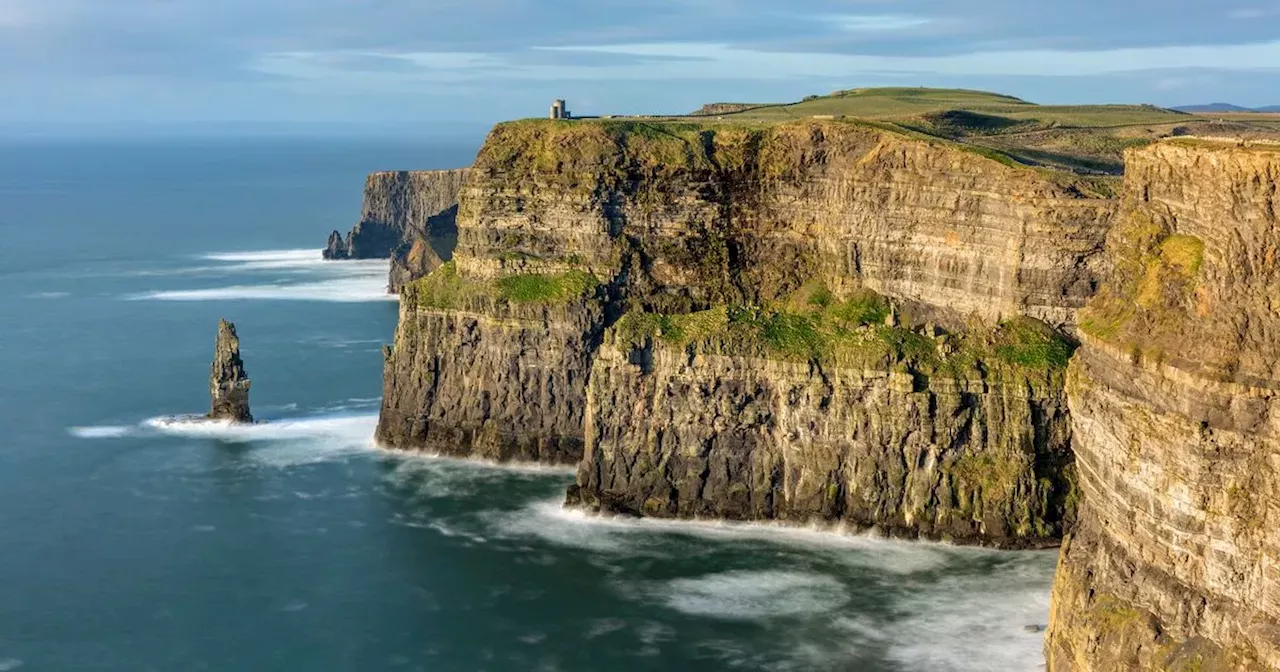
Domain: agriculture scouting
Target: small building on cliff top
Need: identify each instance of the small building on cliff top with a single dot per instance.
(559, 111)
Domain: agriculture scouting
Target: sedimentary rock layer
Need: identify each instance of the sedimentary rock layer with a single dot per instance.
(409, 216)
(690, 216)
(1175, 403)
(481, 375)
(565, 227)
(714, 428)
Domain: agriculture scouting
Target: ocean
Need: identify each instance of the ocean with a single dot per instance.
(129, 543)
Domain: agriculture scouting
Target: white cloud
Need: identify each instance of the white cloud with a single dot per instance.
(867, 23)
(1247, 13)
(352, 71)
(724, 61)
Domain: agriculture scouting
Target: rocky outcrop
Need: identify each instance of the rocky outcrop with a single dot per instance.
(228, 383)
(826, 247)
(1175, 403)
(409, 216)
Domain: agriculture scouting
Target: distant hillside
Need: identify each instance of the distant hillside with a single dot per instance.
(711, 109)
(1087, 139)
(1225, 107)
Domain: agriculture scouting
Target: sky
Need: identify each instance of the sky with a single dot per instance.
(395, 64)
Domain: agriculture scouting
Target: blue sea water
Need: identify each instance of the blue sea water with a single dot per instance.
(128, 543)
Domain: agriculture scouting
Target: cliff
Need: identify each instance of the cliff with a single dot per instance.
(494, 370)
(829, 414)
(1175, 407)
(228, 382)
(686, 216)
(409, 216)
(875, 318)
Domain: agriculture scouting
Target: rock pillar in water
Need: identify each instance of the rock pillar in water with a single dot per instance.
(337, 248)
(228, 383)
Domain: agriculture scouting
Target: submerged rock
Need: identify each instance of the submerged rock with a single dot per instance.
(228, 383)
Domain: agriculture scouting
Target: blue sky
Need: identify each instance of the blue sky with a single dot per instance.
(400, 63)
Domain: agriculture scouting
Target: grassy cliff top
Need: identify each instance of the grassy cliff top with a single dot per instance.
(1080, 138)
(667, 145)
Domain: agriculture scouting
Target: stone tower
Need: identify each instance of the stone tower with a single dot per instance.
(558, 109)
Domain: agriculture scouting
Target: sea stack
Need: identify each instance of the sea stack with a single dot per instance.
(228, 383)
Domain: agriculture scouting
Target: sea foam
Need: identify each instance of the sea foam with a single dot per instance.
(100, 432)
(291, 275)
(277, 443)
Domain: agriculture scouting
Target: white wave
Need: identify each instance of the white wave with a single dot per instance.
(476, 469)
(296, 255)
(574, 527)
(752, 595)
(10, 664)
(952, 608)
(356, 428)
(285, 443)
(100, 432)
(291, 275)
(430, 477)
(976, 622)
(341, 290)
(306, 260)
(48, 295)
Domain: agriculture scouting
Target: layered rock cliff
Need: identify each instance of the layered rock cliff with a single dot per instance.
(409, 216)
(1175, 404)
(829, 414)
(740, 321)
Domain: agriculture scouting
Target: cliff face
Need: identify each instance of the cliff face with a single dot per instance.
(410, 216)
(938, 436)
(687, 216)
(589, 253)
(1175, 403)
(491, 371)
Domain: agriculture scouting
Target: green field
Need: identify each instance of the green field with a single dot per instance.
(1087, 139)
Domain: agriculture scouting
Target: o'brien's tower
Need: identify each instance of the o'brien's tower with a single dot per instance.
(558, 110)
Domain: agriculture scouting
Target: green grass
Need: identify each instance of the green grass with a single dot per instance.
(851, 330)
(539, 288)
(1089, 139)
(882, 103)
(1030, 343)
(445, 289)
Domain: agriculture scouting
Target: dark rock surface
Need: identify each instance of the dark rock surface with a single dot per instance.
(407, 216)
(228, 383)
(338, 247)
(978, 456)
